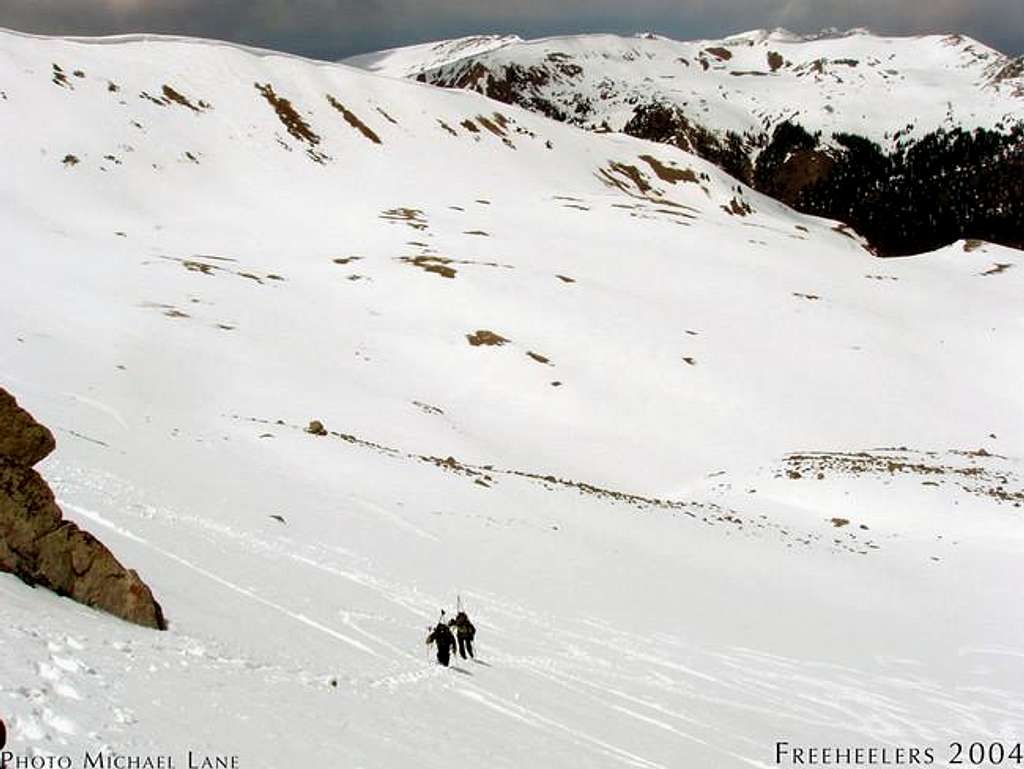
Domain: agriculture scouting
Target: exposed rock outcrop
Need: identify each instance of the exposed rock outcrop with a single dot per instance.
(667, 124)
(41, 548)
(23, 441)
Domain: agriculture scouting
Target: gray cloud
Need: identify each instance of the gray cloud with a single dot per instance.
(335, 28)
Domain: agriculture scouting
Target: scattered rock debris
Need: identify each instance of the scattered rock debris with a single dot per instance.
(413, 217)
(426, 408)
(61, 79)
(668, 173)
(293, 121)
(353, 120)
(441, 265)
(171, 95)
(997, 268)
(984, 475)
(487, 476)
(435, 264)
(486, 338)
(738, 207)
(386, 116)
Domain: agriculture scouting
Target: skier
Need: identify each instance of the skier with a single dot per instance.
(465, 632)
(445, 641)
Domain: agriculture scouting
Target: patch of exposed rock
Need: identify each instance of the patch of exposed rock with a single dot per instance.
(515, 84)
(41, 548)
(316, 427)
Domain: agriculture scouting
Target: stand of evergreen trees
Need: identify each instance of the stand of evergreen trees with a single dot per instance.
(950, 184)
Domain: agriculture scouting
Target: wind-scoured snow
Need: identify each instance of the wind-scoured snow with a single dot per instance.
(706, 474)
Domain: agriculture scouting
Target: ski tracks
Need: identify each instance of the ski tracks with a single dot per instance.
(537, 720)
(251, 595)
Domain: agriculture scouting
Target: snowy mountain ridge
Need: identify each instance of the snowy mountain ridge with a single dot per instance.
(807, 120)
(704, 471)
(409, 60)
(833, 82)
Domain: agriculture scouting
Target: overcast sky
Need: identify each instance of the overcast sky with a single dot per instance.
(335, 28)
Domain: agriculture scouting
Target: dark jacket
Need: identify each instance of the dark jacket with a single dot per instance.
(442, 636)
(463, 626)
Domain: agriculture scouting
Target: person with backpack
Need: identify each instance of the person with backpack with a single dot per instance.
(445, 641)
(465, 632)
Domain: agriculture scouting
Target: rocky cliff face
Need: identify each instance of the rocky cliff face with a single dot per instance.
(41, 548)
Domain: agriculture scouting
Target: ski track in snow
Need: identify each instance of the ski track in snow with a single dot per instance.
(534, 718)
(103, 408)
(298, 617)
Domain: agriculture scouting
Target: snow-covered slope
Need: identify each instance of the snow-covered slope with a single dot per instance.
(748, 83)
(412, 59)
(720, 484)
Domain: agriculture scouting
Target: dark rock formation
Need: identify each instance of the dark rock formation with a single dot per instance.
(41, 548)
(514, 84)
(667, 124)
(22, 440)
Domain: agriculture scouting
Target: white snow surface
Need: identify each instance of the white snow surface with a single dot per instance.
(412, 59)
(186, 287)
(888, 89)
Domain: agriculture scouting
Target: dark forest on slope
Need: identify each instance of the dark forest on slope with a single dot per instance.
(947, 186)
(950, 184)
